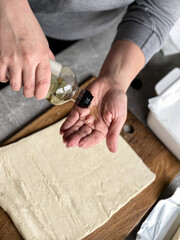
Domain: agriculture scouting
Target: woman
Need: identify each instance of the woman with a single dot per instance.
(25, 53)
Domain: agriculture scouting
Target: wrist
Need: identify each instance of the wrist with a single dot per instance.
(119, 81)
(104, 83)
(122, 64)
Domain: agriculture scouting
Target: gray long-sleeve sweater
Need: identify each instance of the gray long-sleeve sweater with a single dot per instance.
(146, 22)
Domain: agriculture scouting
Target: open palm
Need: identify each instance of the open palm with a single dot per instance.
(103, 119)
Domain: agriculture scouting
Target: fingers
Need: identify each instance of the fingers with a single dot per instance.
(36, 79)
(113, 134)
(84, 137)
(15, 76)
(91, 140)
(3, 71)
(75, 138)
(75, 114)
(70, 121)
(43, 76)
(72, 130)
(29, 82)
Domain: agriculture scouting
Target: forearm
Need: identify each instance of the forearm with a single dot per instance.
(147, 24)
(122, 64)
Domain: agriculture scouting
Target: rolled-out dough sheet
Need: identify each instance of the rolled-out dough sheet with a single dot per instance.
(51, 192)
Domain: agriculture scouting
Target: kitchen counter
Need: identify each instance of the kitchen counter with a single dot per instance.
(85, 58)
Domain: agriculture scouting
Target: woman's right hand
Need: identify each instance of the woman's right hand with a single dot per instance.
(24, 50)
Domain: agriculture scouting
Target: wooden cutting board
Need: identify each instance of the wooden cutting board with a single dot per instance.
(146, 145)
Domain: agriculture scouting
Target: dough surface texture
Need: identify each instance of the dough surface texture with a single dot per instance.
(51, 192)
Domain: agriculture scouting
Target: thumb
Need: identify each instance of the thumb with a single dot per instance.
(113, 133)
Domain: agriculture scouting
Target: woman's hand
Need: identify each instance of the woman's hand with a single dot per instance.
(107, 113)
(24, 50)
(104, 119)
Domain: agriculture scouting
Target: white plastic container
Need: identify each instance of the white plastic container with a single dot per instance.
(164, 114)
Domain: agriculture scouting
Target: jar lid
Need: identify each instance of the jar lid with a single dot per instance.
(85, 98)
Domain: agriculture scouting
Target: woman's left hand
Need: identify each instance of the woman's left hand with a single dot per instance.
(103, 119)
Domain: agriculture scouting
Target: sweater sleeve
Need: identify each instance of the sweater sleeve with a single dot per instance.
(147, 24)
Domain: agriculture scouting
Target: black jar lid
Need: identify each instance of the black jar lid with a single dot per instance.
(84, 99)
